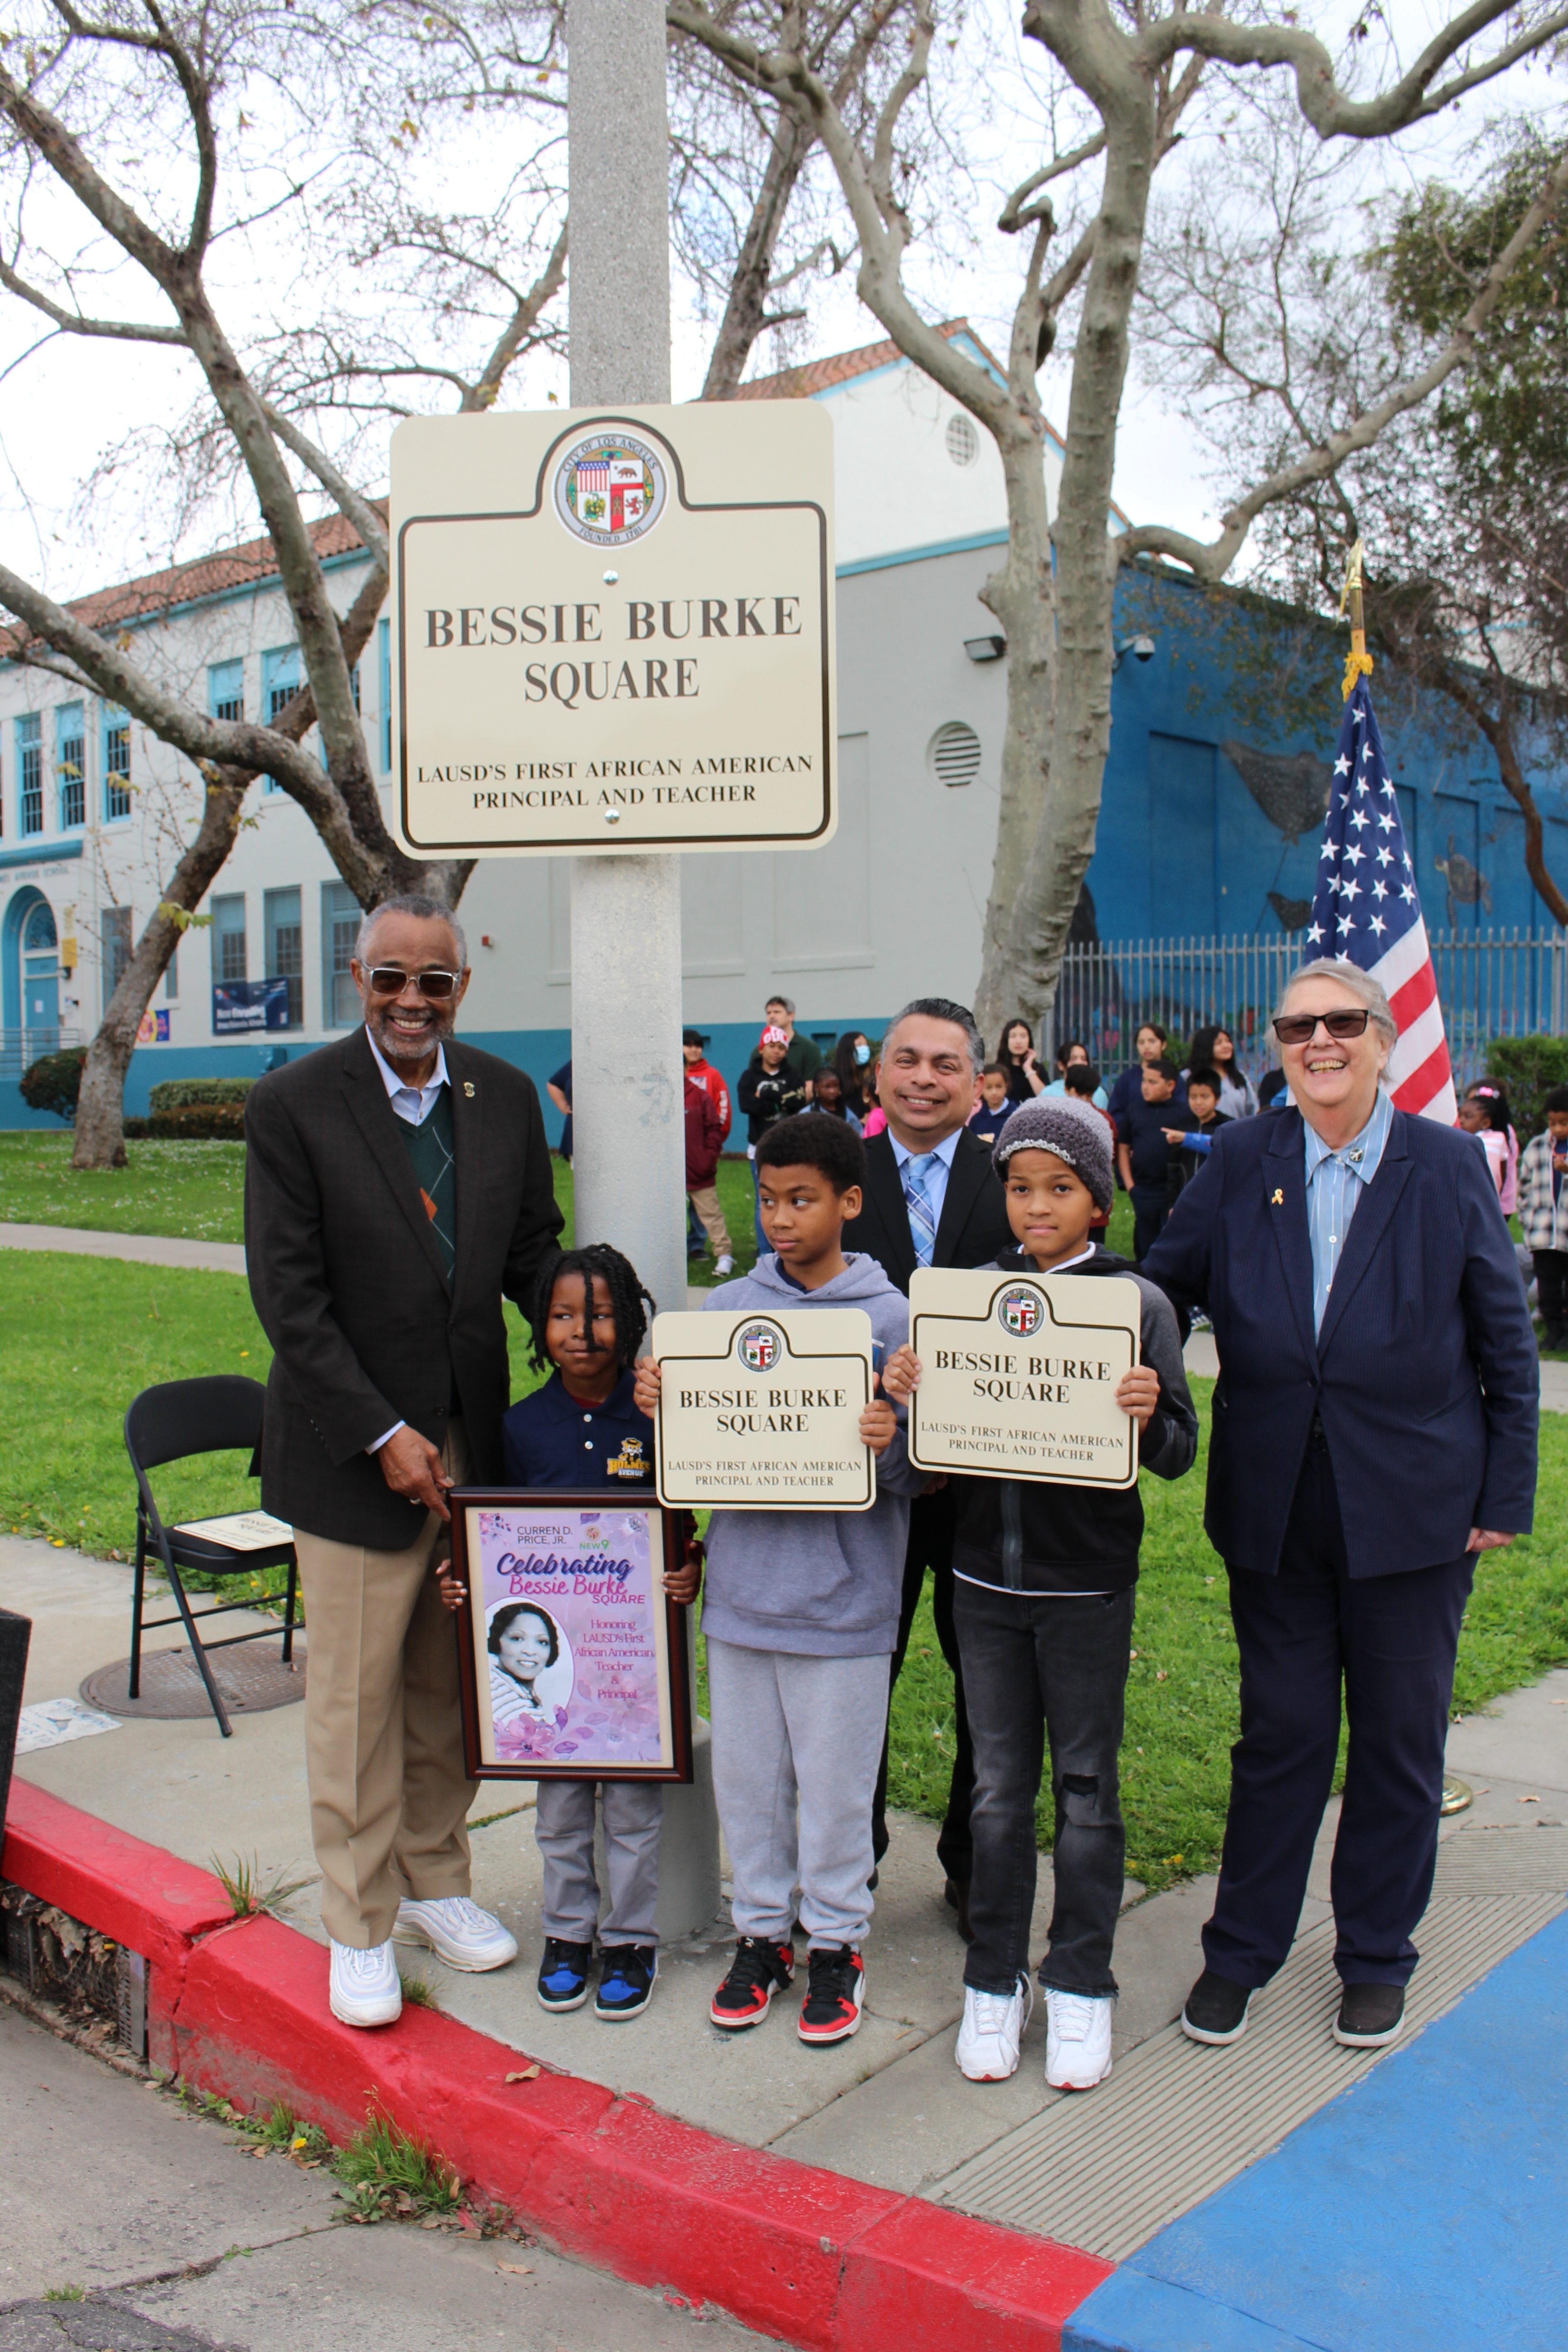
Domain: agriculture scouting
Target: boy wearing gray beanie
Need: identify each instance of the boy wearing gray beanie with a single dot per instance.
(1043, 1609)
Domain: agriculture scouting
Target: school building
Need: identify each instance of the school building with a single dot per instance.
(1224, 715)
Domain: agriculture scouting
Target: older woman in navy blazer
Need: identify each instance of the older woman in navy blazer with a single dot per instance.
(1374, 1428)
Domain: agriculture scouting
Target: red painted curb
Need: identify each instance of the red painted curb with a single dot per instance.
(792, 2249)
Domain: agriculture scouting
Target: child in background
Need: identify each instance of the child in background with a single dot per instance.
(582, 1428)
(827, 1094)
(1043, 1604)
(704, 1141)
(1192, 1145)
(1074, 1056)
(1144, 1152)
(767, 1094)
(801, 1617)
(992, 1112)
(1543, 1216)
(1081, 1082)
(1484, 1112)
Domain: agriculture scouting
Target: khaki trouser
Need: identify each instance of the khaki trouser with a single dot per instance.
(706, 1203)
(383, 1732)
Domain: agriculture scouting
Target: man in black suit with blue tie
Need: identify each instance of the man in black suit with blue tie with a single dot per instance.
(932, 1198)
(1374, 1430)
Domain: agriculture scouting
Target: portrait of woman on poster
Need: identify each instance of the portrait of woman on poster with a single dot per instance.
(524, 1643)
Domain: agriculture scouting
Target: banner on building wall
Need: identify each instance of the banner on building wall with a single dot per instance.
(240, 1007)
(153, 1029)
(613, 630)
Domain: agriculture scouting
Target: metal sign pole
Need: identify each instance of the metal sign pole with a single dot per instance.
(627, 1083)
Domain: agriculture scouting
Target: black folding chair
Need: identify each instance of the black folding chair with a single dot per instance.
(170, 1424)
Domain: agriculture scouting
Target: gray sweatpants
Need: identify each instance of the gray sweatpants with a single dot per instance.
(564, 1824)
(797, 1744)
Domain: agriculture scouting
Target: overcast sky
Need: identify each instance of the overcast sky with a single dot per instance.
(65, 406)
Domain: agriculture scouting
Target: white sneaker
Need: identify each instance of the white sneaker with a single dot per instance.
(458, 1931)
(724, 1265)
(1077, 2040)
(993, 2028)
(366, 1988)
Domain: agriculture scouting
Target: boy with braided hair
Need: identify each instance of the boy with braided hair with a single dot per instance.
(590, 1315)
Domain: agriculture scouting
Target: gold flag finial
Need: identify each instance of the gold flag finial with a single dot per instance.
(1358, 661)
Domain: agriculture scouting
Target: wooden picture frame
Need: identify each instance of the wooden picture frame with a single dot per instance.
(597, 1683)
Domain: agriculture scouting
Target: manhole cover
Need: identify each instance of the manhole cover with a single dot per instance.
(250, 1680)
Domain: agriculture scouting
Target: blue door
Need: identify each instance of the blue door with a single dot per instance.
(40, 981)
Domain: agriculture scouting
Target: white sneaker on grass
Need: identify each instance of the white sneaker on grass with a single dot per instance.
(724, 1265)
(992, 2031)
(366, 1988)
(1077, 2039)
(458, 1932)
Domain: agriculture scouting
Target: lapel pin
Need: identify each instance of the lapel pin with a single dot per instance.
(468, 1088)
(1277, 1200)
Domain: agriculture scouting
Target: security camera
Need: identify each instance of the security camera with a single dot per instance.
(1143, 648)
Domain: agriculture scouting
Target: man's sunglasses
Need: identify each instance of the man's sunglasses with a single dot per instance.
(1299, 1028)
(385, 979)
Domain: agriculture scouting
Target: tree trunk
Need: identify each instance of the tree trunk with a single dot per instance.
(1020, 595)
(1498, 728)
(101, 1104)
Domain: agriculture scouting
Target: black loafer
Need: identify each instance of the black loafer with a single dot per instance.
(1370, 2016)
(1216, 2010)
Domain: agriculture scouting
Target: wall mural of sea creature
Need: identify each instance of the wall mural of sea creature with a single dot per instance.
(1292, 912)
(1467, 886)
(1290, 788)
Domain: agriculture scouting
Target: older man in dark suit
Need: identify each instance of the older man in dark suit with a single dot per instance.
(1374, 1430)
(932, 1198)
(396, 1185)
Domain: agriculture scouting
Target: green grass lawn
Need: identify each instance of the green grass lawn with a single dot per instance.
(80, 1337)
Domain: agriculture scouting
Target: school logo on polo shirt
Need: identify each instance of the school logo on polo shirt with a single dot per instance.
(631, 1462)
(759, 1347)
(609, 489)
(1020, 1311)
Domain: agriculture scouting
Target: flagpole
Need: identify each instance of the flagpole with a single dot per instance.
(1358, 661)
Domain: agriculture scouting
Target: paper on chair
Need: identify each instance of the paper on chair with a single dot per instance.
(241, 1530)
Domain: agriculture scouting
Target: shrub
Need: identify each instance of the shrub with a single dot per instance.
(1527, 1068)
(200, 1123)
(180, 1094)
(54, 1081)
(135, 1131)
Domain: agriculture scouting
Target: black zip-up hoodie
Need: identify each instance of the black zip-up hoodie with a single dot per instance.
(1026, 1535)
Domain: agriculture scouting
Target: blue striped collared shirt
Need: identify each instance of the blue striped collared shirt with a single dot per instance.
(1334, 1179)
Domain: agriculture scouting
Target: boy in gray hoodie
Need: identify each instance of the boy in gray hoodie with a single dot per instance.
(801, 1617)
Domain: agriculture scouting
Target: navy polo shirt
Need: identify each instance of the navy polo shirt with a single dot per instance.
(551, 1439)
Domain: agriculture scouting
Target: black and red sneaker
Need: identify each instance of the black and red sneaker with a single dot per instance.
(834, 1994)
(758, 1970)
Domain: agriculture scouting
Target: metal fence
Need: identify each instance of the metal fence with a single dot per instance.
(1492, 984)
(20, 1047)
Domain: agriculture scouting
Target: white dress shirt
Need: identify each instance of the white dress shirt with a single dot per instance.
(935, 1167)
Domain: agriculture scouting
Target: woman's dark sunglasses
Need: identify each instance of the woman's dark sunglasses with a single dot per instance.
(387, 980)
(1298, 1028)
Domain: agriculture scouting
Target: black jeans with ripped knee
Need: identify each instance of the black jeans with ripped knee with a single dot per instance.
(1038, 1667)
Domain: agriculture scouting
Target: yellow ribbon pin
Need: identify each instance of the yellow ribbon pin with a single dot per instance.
(1279, 1201)
(468, 1088)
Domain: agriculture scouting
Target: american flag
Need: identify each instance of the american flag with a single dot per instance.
(1367, 911)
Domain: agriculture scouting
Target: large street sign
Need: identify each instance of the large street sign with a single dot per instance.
(613, 630)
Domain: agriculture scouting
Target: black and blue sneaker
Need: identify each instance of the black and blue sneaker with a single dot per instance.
(626, 1980)
(563, 1974)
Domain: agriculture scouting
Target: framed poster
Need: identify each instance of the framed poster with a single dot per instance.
(1018, 1375)
(762, 1410)
(574, 1658)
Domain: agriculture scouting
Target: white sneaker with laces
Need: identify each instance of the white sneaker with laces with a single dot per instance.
(724, 1265)
(457, 1931)
(992, 2029)
(366, 1988)
(1077, 2039)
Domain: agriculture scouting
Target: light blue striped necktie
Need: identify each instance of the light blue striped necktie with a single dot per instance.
(922, 1224)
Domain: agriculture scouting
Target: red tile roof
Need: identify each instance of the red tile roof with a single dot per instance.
(820, 375)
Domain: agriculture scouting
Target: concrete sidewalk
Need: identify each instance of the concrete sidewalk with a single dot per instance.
(889, 2107)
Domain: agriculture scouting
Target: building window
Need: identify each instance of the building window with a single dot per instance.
(340, 929)
(31, 766)
(384, 638)
(114, 928)
(286, 949)
(280, 682)
(228, 938)
(70, 765)
(171, 976)
(116, 763)
(962, 441)
(226, 689)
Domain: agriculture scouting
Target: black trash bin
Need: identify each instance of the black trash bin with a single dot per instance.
(14, 1634)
